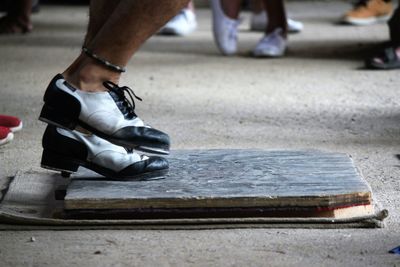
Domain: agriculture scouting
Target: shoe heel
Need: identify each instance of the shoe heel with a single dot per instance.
(53, 116)
(53, 161)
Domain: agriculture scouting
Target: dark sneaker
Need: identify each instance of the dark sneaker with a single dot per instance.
(65, 151)
(109, 115)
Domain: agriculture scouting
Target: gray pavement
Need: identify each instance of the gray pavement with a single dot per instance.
(318, 97)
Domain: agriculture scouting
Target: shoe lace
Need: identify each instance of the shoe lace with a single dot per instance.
(233, 29)
(118, 93)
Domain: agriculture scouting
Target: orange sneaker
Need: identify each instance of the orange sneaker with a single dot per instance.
(369, 12)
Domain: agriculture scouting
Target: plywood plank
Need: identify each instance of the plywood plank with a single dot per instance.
(232, 178)
(192, 213)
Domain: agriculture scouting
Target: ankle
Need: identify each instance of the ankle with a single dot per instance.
(282, 32)
(231, 11)
(89, 76)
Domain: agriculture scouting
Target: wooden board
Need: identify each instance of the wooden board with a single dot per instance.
(199, 213)
(231, 179)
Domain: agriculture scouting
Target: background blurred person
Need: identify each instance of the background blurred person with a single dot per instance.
(17, 18)
(367, 12)
(226, 22)
(259, 18)
(389, 57)
(182, 24)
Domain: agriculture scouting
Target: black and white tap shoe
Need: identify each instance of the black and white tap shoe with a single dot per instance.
(65, 151)
(109, 115)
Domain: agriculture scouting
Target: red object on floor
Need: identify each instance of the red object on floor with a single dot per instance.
(5, 135)
(11, 122)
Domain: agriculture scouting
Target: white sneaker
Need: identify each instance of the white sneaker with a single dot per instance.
(258, 22)
(294, 26)
(271, 45)
(182, 24)
(225, 29)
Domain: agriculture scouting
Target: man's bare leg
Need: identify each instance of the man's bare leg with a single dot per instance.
(114, 36)
(110, 37)
(99, 13)
(116, 31)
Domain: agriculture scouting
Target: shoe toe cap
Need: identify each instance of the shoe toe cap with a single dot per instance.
(156, 163)
(148, 166)
(143, 136)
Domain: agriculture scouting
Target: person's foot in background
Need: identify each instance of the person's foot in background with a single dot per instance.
(258, 22)
(182, 24)
(225, 23)
(274, 41)
(271, 45)
(5, 135)
(367, 12)
(11, 122)
(387, 59)
(18, 18)
(8, 125)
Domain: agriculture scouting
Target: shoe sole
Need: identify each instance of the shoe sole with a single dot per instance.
(17, 128)
(255, 29)
(175, 32)
(48, 115)
(67, 166)
(367, 21)
(377, 66)
(267, 55)
(8, 138)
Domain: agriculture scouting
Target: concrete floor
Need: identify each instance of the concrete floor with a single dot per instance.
(318, 97)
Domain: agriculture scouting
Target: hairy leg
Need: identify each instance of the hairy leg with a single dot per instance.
(276, 16)
(116, 36)
(99, 12)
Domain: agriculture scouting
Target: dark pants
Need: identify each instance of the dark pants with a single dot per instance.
(394, 27)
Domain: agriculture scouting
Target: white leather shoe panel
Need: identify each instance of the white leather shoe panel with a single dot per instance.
(99, 110)
(102, 152)
(115, 160)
